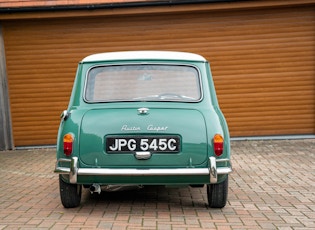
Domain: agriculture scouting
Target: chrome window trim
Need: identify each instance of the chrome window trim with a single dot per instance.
(143, 63)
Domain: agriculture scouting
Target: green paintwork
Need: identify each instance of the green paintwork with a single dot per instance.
(196, 123)
(94, 128)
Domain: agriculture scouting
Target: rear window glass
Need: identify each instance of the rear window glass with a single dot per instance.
(143, 83)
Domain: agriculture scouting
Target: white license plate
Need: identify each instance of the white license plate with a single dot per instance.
(143, 144)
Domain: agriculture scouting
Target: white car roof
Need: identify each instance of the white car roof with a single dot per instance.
(144, 55)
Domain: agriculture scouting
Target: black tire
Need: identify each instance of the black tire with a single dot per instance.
(70, 194)
(217, 194)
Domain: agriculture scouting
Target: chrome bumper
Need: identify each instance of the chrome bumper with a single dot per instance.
(74, 171)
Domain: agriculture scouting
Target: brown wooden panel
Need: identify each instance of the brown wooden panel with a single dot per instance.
(263, 64)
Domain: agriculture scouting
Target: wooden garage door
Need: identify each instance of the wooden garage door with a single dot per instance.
(263, 63)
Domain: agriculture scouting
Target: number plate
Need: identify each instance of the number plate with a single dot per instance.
(142, 144)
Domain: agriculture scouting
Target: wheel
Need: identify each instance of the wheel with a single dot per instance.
(217, 194)
(70, 194)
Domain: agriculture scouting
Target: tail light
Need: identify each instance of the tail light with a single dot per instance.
(218, 141)
(68, 144)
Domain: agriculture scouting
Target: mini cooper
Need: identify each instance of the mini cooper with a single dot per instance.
(143, 118)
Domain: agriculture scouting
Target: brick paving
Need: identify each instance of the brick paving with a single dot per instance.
(272, 187)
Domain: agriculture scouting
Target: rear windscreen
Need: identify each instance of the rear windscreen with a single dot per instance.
(143, 83)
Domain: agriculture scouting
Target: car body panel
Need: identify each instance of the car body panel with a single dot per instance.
(129, 123)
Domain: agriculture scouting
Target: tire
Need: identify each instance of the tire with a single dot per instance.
(70, 194)
(217, 194)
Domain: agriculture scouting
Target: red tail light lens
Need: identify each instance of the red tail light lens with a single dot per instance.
(218, 141)
(68, 144)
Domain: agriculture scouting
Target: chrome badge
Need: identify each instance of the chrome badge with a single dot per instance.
(143, 111)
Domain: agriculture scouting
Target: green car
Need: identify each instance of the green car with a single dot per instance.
(143, 118)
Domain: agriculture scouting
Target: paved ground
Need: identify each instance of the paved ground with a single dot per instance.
(272, 187)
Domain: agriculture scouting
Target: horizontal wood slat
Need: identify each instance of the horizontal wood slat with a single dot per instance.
(263, 64)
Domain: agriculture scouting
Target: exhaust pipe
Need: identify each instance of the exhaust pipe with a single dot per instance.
(95, 188)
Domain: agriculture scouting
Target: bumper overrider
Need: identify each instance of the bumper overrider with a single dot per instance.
(74, 171)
